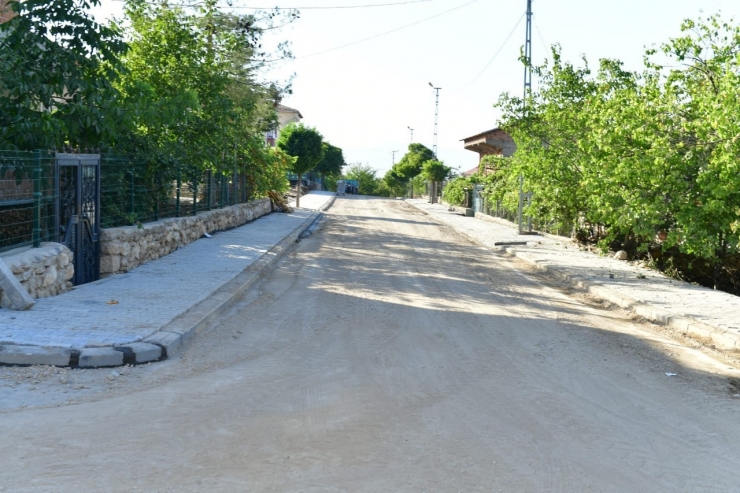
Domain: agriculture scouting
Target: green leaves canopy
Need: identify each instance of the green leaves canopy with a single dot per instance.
(304, 144)
(57, 66)
(636, 154)
(411, 163)
(332, 162)
(434, 170)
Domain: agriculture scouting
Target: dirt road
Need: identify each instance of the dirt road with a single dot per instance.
(387, 354)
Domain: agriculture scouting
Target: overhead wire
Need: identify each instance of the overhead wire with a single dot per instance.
(325, 7)
(494, 55)
(544, 45)
(329, 7)
(387, 32)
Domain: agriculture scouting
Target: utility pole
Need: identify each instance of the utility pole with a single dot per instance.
(393, 156)
(433, 188)
(436, 117)
(527, 91)
(528, 52)
(411, 134)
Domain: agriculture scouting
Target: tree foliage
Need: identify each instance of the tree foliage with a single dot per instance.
(435, 171)
(57, 68)
(366, 176)
(638, 155)
(332, 162)
(304, 143)
(456, 190)
(411, 163)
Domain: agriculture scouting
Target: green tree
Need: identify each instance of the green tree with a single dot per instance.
(394, 182)
(332, 163)
(411, 163)
(435, 172)
(305, 145)
(56, 69)
(369, 183)
(456, 191)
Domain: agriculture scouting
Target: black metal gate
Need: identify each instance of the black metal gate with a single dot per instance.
(78, 214)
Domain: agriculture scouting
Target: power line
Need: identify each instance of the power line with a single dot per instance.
(387, 32)
(327, 7)
(336, 6)
(544, 45)
(495, 54)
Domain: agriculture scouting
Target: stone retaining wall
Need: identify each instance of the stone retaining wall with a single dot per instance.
(44, 271)
(125, 248)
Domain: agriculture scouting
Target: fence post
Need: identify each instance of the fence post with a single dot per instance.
(209, 174)
(132, 205)
(177, 190)
(233, 181)
(195, 194)
(36, 234)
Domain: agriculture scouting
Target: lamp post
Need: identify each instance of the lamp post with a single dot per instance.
(411, 134)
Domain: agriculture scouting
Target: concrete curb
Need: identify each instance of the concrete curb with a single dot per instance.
(165, 342)
(707, 334)
(170, 337)
(704, 333)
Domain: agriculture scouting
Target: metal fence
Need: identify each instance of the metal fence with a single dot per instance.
(135, 192)
(27, 198)
(132, 192)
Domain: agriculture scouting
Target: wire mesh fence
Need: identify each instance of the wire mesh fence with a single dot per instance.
(27, 198)
(134, 192)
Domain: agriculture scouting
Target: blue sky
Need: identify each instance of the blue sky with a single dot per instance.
(364, 97)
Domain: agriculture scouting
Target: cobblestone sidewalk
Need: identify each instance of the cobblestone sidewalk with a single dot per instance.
(82, 325)
(710, 316)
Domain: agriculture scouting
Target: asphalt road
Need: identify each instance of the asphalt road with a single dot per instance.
(387, 353)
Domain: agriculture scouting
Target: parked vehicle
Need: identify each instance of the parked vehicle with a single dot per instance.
(341, 187)
(353, 186)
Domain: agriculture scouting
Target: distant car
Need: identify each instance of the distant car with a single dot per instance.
(304, 183)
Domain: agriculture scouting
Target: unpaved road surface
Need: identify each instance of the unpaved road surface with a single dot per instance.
(386, 353)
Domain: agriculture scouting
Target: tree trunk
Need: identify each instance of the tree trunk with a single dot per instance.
(298, 191)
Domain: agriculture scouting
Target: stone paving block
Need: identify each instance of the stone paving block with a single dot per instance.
(145, 352)
(104, 356)
(34, 355)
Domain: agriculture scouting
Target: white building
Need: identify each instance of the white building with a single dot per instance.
(285, 116)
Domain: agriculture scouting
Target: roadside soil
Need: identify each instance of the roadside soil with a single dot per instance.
(387, 353)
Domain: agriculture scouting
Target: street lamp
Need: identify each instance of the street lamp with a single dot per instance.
(411, 134)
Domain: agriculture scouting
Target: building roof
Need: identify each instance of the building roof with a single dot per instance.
(495, 141)
(476, 136)
(470, 172)
(282, 107)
